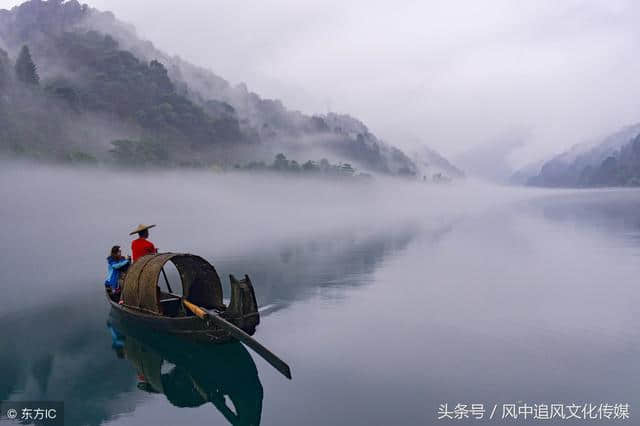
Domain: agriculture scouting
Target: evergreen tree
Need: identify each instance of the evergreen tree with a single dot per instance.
(281, 162)
(4, 69)
(25, 68)
(160, 78)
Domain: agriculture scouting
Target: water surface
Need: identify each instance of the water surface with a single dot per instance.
(381, 316)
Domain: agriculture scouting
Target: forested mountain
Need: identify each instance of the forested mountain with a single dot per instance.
(615, 161)
(77, 84)
(434, 167)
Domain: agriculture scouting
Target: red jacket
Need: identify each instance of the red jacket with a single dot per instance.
(142, 247)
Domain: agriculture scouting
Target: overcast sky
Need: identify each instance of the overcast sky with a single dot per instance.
(452, 74)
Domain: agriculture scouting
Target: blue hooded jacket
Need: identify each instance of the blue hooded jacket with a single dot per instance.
(113, 271)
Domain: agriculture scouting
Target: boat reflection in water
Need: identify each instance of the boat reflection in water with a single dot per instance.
(191, 374)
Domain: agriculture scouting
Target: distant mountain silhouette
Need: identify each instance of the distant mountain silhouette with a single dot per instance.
(433, 166)
(615, 161)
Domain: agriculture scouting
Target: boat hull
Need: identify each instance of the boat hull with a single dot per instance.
(189, 327)
(145, 302)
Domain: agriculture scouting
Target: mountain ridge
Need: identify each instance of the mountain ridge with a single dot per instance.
(170, 108)
(609, 162)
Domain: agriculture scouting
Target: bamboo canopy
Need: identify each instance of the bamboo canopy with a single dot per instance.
(200, 281)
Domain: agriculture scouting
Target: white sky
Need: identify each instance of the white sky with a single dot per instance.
(452, 74)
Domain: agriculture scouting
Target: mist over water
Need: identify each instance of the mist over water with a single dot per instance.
(62, 218)
(387, 298)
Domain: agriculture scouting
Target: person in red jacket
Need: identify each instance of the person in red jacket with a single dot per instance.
(141, 246)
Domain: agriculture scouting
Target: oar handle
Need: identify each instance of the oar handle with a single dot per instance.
(197, 310)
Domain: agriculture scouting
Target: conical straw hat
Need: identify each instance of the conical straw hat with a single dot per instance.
(141, 228)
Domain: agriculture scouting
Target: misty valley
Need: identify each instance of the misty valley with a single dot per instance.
(179, 248)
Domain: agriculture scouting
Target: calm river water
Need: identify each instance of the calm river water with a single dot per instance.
(533, 299)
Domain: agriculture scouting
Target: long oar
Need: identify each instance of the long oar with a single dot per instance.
(236, 332)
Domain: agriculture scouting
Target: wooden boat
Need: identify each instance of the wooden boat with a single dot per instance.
(144, 302)
(199, 313)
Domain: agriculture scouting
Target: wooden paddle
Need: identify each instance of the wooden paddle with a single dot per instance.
(239, 334)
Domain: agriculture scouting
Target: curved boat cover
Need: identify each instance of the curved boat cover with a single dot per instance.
(200, 281)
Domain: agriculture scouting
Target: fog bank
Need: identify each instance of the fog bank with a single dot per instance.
(63, 220)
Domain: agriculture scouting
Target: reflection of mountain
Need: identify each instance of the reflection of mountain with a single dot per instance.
(199, 373)
(60, 353)
(293, 271)
(613, 211)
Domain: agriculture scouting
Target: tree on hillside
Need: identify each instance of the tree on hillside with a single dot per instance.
(281, 162)
(26, 70)
(310, 166)
(145, 152)
(160, 78)
(4, 68)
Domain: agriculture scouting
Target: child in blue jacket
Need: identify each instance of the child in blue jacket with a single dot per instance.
(116, 264)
